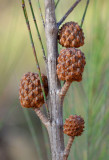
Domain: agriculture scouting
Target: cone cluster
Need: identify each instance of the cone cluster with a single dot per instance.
(74, 125)
(30, 92)
(71, 35)
(71, 64)
(71, 60)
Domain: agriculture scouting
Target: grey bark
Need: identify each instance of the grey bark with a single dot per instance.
(55, 105)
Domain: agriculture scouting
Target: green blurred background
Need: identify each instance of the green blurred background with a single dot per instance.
(22, 136)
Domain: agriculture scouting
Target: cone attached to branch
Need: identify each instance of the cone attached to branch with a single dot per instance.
(71, 35)
(30, 92)
(74, 126)
(71, 62)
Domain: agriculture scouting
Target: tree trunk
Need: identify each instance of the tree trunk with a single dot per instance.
(55, 105)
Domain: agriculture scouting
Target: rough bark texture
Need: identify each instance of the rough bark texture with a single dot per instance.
(42, 117)
(64, 90)
(68, 147)
(55, 105)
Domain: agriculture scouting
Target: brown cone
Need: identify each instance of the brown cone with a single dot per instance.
(71, 35)
(30, 92)
(71, 64)
(74, 125)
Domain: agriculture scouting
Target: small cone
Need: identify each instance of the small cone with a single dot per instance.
(71, 35)
(30, 92)
(71, 62)
(74, 126)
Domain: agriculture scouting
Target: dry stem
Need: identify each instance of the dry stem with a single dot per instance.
(68, 147)
(64, 90)
(54, 103)
(42, 117)
(68, 12)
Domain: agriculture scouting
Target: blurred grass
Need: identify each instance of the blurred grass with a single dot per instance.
(88, 98)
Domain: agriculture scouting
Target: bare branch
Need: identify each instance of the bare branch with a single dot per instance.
(54, 103)
(84, 14)
(68, 12)
(64, 90)
(68, 147)
(57, 3)
(42, 117)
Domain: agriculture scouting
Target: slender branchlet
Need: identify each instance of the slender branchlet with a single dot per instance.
(57, 3)
(42, 117)
(64, 90)
(68, 147)
(41, 13)
(84, 14)
(37, 29)
(34, 51)
(68, 12)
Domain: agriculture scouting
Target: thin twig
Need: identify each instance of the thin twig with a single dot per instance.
(41, 13)
(68, 12)
(42, 117)
(34, 52)
(64, 90)
(57, 3)
(68, 147)
(84, 14)
(37, 29)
